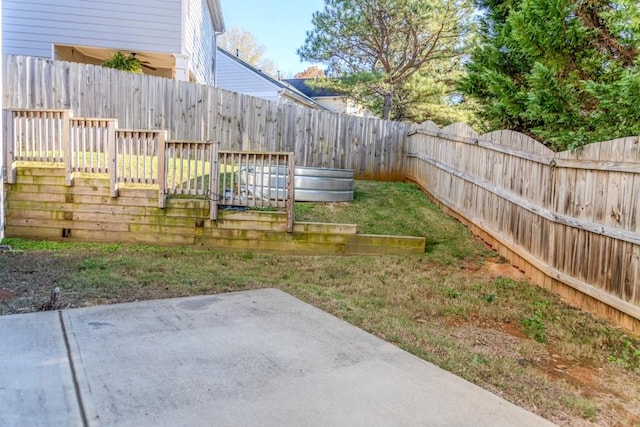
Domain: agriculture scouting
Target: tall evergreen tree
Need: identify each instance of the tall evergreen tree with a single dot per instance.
(564, 71)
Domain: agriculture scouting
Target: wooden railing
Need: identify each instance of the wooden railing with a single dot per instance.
(146, 157)
(35, 135)
(187, 168)
(89, 147)
(256, 180)
(137, 159)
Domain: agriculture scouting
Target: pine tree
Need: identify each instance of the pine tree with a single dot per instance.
(564, 71)
(378, 48)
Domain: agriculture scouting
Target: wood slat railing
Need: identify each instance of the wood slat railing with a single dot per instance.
(35, 135)
(146, 157)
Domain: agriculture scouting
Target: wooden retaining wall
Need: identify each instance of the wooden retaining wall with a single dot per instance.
(570, 220)
(41, 206)
(370, 146)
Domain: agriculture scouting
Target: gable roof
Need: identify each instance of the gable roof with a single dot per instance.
(282, 88)
(311, 90)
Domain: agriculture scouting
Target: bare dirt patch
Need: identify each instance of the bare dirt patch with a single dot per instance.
(6, 295)
(497, 268)
(28, 279)
(494, 268)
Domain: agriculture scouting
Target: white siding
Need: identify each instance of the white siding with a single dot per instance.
(233, 76)
(1, 150)
(31, 27)
(343, 105)
(335, 104)
(200, 37)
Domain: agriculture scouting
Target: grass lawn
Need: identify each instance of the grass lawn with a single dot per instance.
(457, 305)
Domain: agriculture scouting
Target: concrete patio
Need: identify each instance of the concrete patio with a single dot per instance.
(257, 358)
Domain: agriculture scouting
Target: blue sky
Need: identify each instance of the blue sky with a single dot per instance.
(279, 25)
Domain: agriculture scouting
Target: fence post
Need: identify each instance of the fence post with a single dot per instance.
(214, 176)
(113, 156)
(67, 148)
(290, 190)
(550, 201)
(9, 146)
(162, 169)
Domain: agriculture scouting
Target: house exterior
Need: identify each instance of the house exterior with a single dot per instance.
(236, 75)
(327, 97)
(172, 38)
(1, 151)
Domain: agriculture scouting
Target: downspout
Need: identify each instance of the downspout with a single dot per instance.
(217, 21)
(2, 167)
(184, 9)
(181, 60)
(215, 56)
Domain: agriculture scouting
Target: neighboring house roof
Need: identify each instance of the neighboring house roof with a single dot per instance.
(236, 75)
(307, 87)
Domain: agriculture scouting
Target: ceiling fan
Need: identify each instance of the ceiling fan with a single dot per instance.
(145, 64)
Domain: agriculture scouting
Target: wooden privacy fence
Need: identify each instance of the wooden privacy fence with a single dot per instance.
(570, 219)
(373, 148)
(145, 157)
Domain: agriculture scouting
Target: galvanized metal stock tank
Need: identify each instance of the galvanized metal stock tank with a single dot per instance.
(323, 184)
(310, 184)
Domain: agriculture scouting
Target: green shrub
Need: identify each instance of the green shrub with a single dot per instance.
(123, 62)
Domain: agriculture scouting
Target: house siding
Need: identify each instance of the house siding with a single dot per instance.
(342, 105)
(32, 27)
(200, 41)
(233, 76)
(335, 104)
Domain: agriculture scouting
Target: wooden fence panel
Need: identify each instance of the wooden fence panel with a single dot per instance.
(573, 216)
(196, 112)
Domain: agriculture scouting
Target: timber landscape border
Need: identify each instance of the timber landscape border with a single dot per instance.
(41, 206)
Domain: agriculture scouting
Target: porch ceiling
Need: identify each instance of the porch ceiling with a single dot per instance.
(153, 63)
(149, 60)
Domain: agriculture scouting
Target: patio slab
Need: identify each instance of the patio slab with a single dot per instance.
(36, 383)
(256, 358)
